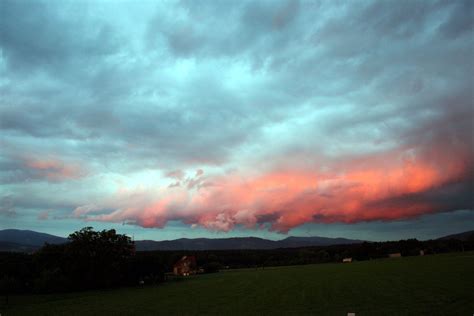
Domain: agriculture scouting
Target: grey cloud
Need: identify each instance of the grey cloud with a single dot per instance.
(104, 110)
(176, 174)
(205, 29)
(461, 20)
(403, 19)
(267, 218)
(7, 207)
(39, 34)
(43, 215)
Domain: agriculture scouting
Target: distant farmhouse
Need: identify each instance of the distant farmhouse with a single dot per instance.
(347, 260)
(185, 266)
(395, 255)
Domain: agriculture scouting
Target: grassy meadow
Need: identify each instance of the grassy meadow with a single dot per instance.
(429, 285)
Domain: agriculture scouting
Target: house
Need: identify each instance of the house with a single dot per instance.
(185, 266)
(347, 260)
(422, 252)
(395, 255)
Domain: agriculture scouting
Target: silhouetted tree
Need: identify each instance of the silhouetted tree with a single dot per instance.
(90, 259)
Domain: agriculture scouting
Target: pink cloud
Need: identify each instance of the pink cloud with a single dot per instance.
(383, 187)
(54, 169)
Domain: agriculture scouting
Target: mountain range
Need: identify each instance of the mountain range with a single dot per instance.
(239, 243)
(28, 241)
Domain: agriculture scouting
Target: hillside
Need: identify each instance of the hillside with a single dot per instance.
(29, 237)
(461, 236)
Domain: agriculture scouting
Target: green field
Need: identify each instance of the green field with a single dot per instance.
(430, 285)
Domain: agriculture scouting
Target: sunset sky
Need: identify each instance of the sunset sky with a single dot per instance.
(173, 119)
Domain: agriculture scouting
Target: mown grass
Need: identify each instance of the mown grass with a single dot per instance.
(430, 285)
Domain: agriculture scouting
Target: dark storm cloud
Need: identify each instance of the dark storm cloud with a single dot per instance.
(445, 198)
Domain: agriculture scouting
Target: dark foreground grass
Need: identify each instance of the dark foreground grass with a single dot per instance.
(430, 285)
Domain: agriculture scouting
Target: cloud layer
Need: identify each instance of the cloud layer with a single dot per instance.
(265, 115)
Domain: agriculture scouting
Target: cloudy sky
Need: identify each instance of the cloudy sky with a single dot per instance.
(169, 119)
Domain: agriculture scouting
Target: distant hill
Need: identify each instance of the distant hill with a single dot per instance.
(28, 238)
(27, 241)
(205, 244)
(239, 243)
(461, 236)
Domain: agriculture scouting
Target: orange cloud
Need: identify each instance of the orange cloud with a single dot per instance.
(388, 187)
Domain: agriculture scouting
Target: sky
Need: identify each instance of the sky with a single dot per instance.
(170, 119)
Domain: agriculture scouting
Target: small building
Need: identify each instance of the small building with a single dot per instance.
(185, 266)
(422, 252)
(347, 260)
(395, 255)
